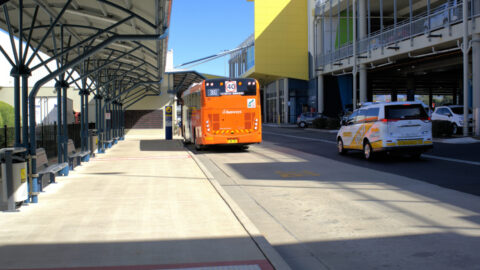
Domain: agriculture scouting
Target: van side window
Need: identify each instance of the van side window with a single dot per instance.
(360, 116)
(372, 115)
(351, 118)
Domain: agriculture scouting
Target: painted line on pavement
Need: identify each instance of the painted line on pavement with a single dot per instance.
(299, 137)
(427, 156)
(142, 158)
(454, 160)
(234, 265)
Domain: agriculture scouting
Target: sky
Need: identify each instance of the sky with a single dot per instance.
(203, 28)
(5, 67)
(197, 29)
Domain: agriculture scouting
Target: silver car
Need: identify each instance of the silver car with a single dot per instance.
(306, 118)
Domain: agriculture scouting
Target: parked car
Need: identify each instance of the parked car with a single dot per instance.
(442, 15)
(387, 127)
(306, 118)
(452, 114)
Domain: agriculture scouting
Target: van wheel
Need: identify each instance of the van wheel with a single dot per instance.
(367, 151)
(302, 125)
(340, 148)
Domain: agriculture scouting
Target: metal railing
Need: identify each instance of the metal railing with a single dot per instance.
(443, 16)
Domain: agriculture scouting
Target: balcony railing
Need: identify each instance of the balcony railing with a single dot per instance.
(443, 16)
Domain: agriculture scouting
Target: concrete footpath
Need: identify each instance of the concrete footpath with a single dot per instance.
(145, 204)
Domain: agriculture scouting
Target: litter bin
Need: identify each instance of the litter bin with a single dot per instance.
(93, 140)
(19, 176)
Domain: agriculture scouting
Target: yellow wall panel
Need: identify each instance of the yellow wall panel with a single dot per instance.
(281, 38)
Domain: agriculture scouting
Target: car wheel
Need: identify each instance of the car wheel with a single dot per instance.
(367, 151)
(454, 128)
(340, 148)
(302, 125)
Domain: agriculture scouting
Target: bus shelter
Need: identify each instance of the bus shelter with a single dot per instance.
(114, 50)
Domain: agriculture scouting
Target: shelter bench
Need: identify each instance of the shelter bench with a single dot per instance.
(43, 167)
(73, 154)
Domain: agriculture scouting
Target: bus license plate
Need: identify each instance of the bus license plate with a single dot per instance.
(232, 140)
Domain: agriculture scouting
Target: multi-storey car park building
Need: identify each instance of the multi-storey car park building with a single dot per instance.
(392, 49)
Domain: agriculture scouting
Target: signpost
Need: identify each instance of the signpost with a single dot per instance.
(168, 122)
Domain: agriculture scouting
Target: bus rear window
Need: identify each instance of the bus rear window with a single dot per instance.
(217, 88)
(409, 111)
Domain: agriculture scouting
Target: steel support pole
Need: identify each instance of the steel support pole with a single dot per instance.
(25, 108)
(98, 124)
(65, 124)
(465, 68)
(85, 118)
(58, 88)
(122, 121)
(114, 119)
(16, 105)
(82, 123)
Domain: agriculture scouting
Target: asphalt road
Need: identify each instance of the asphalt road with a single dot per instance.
(454, 166)
(320, 210)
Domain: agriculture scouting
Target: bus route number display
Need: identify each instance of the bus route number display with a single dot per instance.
(231, 86)
(214, 92)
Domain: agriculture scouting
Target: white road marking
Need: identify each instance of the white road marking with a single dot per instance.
(427, 156)
(299, 137)
(453, 160)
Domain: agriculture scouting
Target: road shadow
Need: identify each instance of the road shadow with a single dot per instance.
(146, 255)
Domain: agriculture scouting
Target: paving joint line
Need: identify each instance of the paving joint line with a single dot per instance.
(268, 251)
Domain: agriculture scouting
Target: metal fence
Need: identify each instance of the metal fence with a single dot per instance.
(443, 16)
(46, 136)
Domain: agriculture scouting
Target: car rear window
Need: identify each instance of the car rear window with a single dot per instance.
(407, 111)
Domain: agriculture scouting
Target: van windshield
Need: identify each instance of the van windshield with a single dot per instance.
(407, 111)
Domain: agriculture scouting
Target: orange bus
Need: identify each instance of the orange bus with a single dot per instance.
(222, 112)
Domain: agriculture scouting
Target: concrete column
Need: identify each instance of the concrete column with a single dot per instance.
(362, 33)
(393, 93)
(320, 79)
(265, 103)
(311, 35)
(411, 88)
(363, 83)
(320, 93)
(476, 83)
(277, 102)
(286, 94)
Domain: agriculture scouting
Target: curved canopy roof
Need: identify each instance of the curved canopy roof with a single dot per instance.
(118, 45)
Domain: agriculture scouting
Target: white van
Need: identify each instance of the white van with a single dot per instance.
(386, 127)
